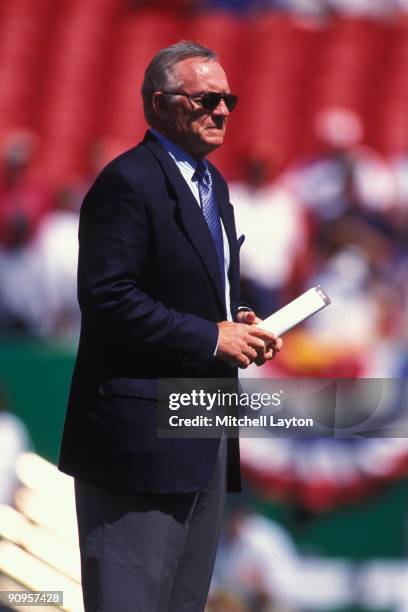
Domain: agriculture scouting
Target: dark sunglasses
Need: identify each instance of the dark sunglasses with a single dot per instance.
(209, 100)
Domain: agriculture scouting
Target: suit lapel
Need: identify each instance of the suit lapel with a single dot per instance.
(227, 215)
(191, 216)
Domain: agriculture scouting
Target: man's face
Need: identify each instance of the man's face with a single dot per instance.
(195, 129)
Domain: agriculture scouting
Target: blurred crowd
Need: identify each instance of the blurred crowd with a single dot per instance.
(38, 247)
(382, 9)
(260, 569)
(339, 219)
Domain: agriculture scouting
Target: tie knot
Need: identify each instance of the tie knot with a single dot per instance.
(201, 172)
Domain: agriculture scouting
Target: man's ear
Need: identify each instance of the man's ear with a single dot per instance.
(160, 104)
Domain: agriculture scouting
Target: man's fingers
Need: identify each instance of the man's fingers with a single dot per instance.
(249, 352)
(257, 343)
(243, 363)
(278, 344)
(265, 335)
(260, 360)
(242, 344)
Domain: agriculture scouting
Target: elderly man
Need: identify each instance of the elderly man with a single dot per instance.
(158, 288)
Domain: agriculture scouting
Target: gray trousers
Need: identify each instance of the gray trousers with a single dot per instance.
(149, 552)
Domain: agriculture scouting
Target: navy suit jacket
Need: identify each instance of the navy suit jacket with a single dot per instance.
(150, 293)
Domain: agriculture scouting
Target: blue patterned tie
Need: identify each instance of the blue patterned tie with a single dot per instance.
(210, 211)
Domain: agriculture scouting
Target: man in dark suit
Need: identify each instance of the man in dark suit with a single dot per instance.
(158, 286)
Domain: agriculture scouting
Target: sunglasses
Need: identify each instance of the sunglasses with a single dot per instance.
(209, 100)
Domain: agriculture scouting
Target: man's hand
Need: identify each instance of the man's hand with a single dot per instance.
(270, 350)
(241, 344)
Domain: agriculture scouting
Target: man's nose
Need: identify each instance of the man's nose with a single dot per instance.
(221, 109)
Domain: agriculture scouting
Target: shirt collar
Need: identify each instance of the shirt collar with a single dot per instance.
(180, 157)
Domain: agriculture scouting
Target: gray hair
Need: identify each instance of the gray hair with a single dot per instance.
(160, 75)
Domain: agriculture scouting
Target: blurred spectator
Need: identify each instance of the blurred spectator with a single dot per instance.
(14, 439)
(56, 249)
(374, 326)
(23, 204)
(38, 277)
(346, 277)
(276, 234)
(23, 201)
(258, 562)
(324, 183)
(21, 302)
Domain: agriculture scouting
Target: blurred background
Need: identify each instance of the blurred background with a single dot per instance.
(316, 157)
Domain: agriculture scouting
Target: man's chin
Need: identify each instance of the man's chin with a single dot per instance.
(214, 140)
(209, 144)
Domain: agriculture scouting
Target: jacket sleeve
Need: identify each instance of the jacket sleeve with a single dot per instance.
(114, 246)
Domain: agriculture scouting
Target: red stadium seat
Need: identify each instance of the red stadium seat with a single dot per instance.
(72, 87)
(23, 41)
(72, 71)
(137, 40)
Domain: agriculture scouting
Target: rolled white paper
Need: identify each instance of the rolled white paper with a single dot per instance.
(296, 311)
